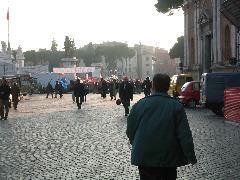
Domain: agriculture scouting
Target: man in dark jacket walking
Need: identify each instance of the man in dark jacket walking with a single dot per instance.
(104, 88)
(5, 92)
(58, 89)
(49, 90)
(15, 91)
(126, 94)
(147, 85)
(158, 130)
(79, 92)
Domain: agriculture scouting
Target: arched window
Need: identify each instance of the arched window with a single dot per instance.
(192, 51)
(227, 44)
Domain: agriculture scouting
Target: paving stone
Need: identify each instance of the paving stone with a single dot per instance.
(52, 139)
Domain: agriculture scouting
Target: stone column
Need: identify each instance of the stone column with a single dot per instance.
(218, 33)
(233, 40)
(215, 30)
(196, 32)
(186, 42)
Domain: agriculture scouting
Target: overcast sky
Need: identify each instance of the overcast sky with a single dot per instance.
(34, 23)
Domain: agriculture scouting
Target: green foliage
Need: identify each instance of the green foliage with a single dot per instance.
(177, 51)
(88, 53)
(166, 6)
(54, 46)
(111, 51)
(115, 51)
(53, 59)
(69, 47)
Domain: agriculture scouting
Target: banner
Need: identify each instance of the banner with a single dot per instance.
(74, 70)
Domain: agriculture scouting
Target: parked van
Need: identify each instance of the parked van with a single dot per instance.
(190, 94)
(177, 82)
(212, 89)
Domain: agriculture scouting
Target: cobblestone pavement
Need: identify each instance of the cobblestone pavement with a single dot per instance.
(52, 139)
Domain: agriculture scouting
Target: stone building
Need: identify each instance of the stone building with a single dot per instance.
(211, 39)
(163, 63)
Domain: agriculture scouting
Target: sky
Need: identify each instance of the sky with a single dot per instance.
(35, 23)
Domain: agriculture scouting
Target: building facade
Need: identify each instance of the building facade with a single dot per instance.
(210, 38)
(164, 64)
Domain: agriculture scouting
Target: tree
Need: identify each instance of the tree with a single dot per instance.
(166, 6)
(69, 47)
(88, 53)
(115, 51)
(53, 59)
(177, 51)
(54, 46)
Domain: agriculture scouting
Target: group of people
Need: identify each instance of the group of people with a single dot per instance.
(5, 101)
(125, 88)
(157, 125)
(58, 89)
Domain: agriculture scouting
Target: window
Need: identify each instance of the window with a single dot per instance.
(147, 65)
(196, 86)
(185, 86)
(147, 58)
(188, 79)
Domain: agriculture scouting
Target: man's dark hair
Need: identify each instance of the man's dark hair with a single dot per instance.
(161, 82)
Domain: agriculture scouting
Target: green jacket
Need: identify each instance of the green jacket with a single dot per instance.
(158, 130)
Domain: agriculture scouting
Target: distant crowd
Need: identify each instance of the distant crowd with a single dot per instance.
(157, 125)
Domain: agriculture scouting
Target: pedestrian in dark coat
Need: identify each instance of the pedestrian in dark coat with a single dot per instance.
(86, 91)
(79, 92)
(113, 89)
(5, 92)
(49, 89)
(158, 129)
(147, 85)
(15, 91)
(72, 83)
(104, 88)
(58, 89)
(126, 94)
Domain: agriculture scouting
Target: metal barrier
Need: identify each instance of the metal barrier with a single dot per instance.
(232, 104)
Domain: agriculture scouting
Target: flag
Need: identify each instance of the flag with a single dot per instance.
(8, 14)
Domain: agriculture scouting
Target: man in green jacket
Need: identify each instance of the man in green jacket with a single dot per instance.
(158, 130)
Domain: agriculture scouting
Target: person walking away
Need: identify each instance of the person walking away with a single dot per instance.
(111, 84)
(72, 90)
(15, 91)
(58, 89)
(79, 93)
(104, 88)
(126, 94)
(61, 90)
(147, 84)
(5, 92)
(158, 130)
(49, 90)
(115, 87)
(86, 90)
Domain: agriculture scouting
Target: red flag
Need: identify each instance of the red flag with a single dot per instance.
(8, 14)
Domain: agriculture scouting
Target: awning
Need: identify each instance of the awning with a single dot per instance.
(231, 10)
